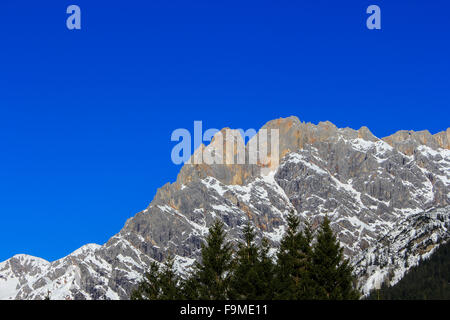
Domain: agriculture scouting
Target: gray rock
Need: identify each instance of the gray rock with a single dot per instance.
(388, 201)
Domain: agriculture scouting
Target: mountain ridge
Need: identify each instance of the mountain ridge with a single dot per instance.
(368, 185)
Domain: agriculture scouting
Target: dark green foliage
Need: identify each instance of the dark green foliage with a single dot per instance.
(169, 281)
(302, 270)
(158, 284)
(331, 273)
(148, 288)
(210, 279)
(430, 280)
(252, 277)
(266, 271)
(293, 271)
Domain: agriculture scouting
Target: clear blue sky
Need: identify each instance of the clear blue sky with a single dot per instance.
(86, 116)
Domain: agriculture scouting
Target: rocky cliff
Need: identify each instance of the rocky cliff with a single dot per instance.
(388, 200)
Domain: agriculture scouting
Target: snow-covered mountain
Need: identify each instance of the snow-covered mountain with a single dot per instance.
(388, 200)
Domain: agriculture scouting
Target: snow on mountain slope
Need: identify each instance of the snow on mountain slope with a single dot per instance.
(87, 273)
(414, 238)
(388, 201)
(18, 270)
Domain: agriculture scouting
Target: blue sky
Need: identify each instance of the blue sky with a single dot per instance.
(86, 116)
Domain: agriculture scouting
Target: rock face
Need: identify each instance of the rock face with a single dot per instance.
(388, 200)
(407, 141)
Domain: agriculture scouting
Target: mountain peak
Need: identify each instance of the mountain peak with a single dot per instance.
(293, 135)
(406, 141)
(373, 194)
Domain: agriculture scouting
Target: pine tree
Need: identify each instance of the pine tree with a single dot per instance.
(159, 283)
(306, 287)
(148, 288)
(169, 281)
(330, 271)
(253, 273)
(210, 279)
(266, 271)
(293, 263)
(190, 287)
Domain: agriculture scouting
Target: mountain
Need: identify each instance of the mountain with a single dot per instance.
(430, 280)
(388, 201)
